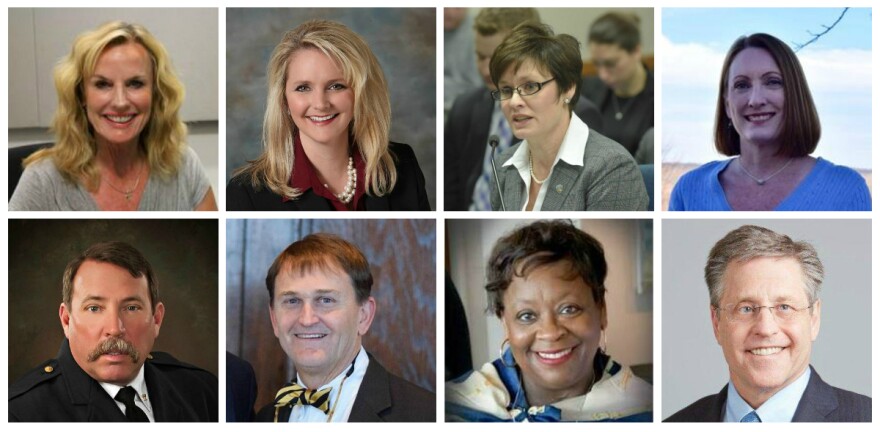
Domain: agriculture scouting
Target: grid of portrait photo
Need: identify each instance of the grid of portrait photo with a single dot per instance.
(227, 212)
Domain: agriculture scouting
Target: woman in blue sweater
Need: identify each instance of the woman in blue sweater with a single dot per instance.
(766, 116)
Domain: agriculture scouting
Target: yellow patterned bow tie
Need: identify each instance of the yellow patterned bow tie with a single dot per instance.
(295, 394)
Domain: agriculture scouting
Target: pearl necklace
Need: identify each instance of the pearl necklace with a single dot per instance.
(348, 193)
(532, 172)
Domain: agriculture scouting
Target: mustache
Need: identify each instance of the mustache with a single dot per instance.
(117, 346)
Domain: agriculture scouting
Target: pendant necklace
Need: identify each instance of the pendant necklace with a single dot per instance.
(618, 111)
(761, 181)
(130, 192)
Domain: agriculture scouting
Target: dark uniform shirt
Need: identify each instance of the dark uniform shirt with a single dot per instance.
(636, 113)
(59, 390)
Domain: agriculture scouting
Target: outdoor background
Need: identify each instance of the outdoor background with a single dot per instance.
(837, 66)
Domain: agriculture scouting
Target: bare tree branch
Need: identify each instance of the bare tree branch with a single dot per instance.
(816, 36)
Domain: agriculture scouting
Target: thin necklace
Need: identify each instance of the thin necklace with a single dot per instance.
(618, 112)
(130, 192)
(761, 182)
(348, 193)
(532, 172)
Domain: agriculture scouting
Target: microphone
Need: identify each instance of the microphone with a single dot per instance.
(493, 142)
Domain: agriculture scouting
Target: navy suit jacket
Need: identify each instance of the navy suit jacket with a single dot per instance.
(466, 137)
(382, 397)
(820, 403)
(241, 390)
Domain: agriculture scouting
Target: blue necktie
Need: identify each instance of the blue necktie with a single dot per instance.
(483, 187)
(751, 417)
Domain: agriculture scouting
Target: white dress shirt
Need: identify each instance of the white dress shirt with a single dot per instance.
(345, 397)
(142, 400)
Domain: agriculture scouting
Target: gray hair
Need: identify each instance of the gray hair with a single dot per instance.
(748, 242)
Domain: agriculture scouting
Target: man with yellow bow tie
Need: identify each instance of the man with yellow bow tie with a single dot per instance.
(320, 307)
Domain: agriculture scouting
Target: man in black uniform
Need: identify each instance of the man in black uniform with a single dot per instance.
(104, 370)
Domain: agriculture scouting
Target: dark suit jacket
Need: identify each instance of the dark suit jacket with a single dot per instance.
(59, 390)
(241, 390)
(408, 194)
(609, 180)
(820, 403)
(466, 137)
(382, 397)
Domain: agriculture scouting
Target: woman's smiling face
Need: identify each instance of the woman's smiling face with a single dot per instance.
(554, 326)
(755, 97)
(320, 102)
(119, 93)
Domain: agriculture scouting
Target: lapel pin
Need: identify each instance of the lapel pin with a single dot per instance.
(559, 188)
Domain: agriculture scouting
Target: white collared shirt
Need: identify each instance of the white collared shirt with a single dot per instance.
(779, 408)
(345, 397)
(140, 386)
(571, 151)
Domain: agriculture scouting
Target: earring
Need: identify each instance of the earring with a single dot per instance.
(604, 346)
(501, 353)
(567, 100)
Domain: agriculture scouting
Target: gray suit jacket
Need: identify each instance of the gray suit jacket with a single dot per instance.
(609, 180)
(820, 403)
(466, 137)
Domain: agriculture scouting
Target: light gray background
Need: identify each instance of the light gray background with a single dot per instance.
(404, 41)
(693, 364)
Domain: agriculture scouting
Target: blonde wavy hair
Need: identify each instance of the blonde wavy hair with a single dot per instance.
(372, 108)
(163, 138)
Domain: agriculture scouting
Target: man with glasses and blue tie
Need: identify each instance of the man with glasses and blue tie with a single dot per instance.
(766, 313)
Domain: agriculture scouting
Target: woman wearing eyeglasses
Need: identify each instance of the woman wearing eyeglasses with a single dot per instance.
(561, 164)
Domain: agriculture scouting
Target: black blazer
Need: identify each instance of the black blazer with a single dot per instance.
(820, 403)
(466, 137)
(241, 389)
(382, 397)
(408, 194)
(60, 391)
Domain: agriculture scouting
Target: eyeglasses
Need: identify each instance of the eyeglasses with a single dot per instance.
(526, 89)
(747, 313)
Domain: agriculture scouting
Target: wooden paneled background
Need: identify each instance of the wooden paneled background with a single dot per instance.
(402, 258)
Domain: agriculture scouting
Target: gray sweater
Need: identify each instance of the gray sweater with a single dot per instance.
(43, 188)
